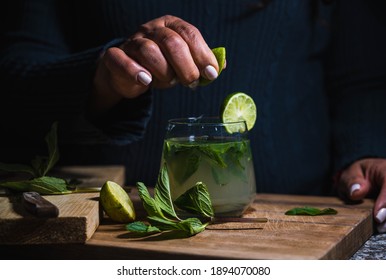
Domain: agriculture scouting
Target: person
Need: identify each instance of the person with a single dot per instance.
(112, 72)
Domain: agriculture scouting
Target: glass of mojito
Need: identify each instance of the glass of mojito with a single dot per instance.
(215, 153)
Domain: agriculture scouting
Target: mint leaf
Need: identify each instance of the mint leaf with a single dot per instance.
(196, 200)
(49, 185)
(236, 153)
(191, 226)
(53, 152)
(191, 166)
(162, 193)
(213, 155)
(311, 211)
(43, 164)
(220, 175)
(231, 155)
(186, 156)
(141, 227)
(151, 206)
(163, 224)
(41, 185)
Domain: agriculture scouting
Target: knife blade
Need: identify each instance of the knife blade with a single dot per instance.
(34, 203)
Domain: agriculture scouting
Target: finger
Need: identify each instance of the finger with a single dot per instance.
(185, 40)
(127, 76)
(380, 209)
(148, 54)
(201, 53)
(177, 53)
(353, 183)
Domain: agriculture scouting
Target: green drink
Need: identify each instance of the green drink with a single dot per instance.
(210, 154)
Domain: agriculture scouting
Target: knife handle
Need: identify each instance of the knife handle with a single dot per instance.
(39, 206)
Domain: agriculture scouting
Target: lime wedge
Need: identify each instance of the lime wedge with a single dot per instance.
(116, 203)
(219, 53)
(238, 106)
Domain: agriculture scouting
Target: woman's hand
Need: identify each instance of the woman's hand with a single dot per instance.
(365, 177)
(163, 52)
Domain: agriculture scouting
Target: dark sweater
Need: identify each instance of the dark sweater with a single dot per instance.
(316, 72)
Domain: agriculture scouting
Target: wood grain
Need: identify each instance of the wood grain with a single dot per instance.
(79, 213)
(282, 237)
(77, 221)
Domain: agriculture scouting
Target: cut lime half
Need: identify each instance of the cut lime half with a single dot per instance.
(117, 203)
(219, 53)
(238, 106)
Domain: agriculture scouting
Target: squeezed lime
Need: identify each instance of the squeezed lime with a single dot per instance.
(219, 53)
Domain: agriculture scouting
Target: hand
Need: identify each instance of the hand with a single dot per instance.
(365, 177)
(163, 52)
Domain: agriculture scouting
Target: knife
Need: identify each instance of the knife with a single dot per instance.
(34, 203)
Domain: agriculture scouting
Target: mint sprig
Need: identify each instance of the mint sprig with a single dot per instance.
(160, 209)
(41, 185)
(38, 170)
(40, 165)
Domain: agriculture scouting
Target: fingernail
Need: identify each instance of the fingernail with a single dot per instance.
(194, 84)
(173, 82)
(144, 78)
(354, 188)
(381, 228)
(381, 215)
(210, 72)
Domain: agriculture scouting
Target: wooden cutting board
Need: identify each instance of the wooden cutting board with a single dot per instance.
(79, 213)
(282, 237)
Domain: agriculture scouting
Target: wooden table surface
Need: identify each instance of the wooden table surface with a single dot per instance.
(282, 237)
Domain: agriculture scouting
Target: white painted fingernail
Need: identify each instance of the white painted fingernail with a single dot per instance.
(354, 188)
(210, 72)
(381, 228)
(194, 84)
(173, 82)
(144, 78)
(381, 215)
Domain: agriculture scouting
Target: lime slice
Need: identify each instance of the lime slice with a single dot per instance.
(116, 203)
(238, 106)
(219, 53)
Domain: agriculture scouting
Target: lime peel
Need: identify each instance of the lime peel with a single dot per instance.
(220, 55)
(116, 203)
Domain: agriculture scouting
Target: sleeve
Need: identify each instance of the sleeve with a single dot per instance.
(357, 80)
(45, 77)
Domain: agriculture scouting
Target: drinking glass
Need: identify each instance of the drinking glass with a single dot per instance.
(209, 151)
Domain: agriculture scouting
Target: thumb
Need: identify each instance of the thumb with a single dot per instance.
(353, 184)
(380, 210)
